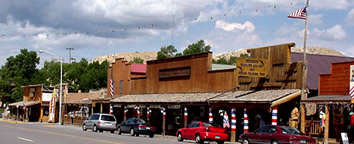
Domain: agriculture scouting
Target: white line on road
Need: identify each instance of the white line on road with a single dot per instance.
(25, 139)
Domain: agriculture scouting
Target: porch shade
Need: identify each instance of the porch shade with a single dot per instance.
(272, 97)
(165, 98)
(24, 103)
(328, 99)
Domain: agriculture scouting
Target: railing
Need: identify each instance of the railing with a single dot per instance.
(313, 127)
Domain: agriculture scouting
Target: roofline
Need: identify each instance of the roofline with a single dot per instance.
(323, 55)
(289, 44)
(198, 55)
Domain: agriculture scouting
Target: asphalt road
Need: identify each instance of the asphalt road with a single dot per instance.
(39, 133)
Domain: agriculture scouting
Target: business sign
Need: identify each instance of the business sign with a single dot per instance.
(175, 72)
(351, 83)
(46, 96)
(52, 107)
(251, 67)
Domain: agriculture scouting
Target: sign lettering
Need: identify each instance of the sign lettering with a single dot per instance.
(174, 72)
(251, 67)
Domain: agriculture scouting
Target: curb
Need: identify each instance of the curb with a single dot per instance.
(12, 121)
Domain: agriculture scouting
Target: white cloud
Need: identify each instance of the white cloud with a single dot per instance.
(315, 19)
(334, 33)
(329, 4)
(247, 26)
(350, 17)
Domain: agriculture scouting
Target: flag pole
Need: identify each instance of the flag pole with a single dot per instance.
(304, 74)
(304, 68)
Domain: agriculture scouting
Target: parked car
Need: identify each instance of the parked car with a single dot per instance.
(202, 131)
(100, 122)
(275, 135)
(136, 126)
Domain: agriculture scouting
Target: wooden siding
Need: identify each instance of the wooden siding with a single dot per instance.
(121, 72)
(37, 93)
(282, 74)
(336, 83)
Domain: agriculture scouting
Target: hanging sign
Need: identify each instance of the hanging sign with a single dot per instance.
(251, 67)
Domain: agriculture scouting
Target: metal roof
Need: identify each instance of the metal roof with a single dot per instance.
(215, 67)
(318, 64)
(138, 68)
(164, 98)
(25, 103)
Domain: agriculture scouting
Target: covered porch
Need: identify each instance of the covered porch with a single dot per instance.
(25, 110)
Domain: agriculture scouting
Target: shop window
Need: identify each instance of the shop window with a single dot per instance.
(45, 111)
(121, 86)
(31, 93)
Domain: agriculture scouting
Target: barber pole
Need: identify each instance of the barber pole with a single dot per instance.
(163, 111)
(274, 116)
(148, 111)
(185, 112)
(111, 109)
(210, 116)
(125, 110)
(233, 120)
(245, 121)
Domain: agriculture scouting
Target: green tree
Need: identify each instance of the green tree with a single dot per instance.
(220, 61)
(166, 52)
(198, 47)
(17, 71)
(137, 60)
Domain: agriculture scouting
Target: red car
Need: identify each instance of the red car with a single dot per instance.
(202, 131)
(275, 135)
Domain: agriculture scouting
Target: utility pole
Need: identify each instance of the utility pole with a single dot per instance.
(70, 49)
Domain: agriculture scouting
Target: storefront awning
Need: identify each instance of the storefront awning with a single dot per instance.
(165, 98)
(328, 99)
(272, 97)
(83, 101)
(24, 103)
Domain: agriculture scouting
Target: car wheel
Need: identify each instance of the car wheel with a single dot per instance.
(84, 127)
(112, 131)
(179, 137)
(100, 130)
(198, 139)
(132, 133)
(151, 135)
(220, 142)
(94, 129)
(119, 131)
(274, 142)
(245, 141)
(136, 135)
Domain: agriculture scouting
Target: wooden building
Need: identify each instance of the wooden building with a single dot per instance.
(35, 104)
(334, 101)
(173, 84)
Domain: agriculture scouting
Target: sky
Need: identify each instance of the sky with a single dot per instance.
(101, 27)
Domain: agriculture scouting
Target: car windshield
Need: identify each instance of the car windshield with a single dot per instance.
(139, 121)
(107, 118)
(289, 130)
(209, 125)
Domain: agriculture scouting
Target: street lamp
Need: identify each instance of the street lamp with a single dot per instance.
(61, 82)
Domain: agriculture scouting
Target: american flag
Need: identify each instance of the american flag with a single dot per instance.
(111, 83)
(299, 14)
(226, 123)
(351, 92)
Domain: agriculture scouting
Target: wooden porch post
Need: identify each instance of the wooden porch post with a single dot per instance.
(185, 116)
(101, 108)
(302, 117)
(326, 124)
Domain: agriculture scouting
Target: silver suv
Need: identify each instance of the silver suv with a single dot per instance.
(100, 122)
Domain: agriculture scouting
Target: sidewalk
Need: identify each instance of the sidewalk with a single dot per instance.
(79, 127)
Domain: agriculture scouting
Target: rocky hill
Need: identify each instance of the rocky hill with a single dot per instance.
(146, 56)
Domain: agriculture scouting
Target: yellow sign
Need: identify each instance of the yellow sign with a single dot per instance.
(338, 119)
(251, 67)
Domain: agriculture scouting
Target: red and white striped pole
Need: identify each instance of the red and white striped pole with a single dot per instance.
(275, 116)
(233, 125)
(185, 116)
(210, 116)
(110, 109)
(245, 121)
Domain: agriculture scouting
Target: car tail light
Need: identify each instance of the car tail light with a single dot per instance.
(99, 122)
(207, 129)
(116, 124)
(141, 126)
(294, 140)
(152, 127)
